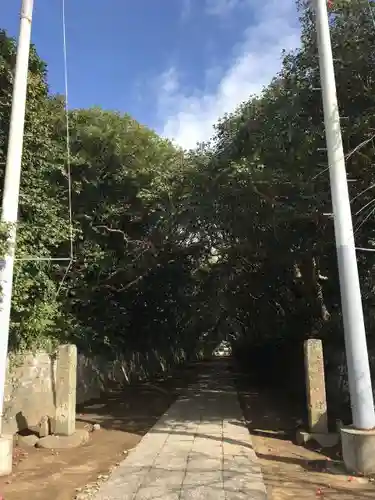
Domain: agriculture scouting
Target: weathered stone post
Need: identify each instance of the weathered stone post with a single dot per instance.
(316, 398)
(315, 386)
(66, 383)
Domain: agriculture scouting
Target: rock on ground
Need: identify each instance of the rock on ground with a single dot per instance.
(80, 437)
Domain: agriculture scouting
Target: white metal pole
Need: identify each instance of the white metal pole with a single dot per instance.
(12, 180)
(362, 400)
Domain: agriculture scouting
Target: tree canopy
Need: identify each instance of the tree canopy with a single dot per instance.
(234, 238)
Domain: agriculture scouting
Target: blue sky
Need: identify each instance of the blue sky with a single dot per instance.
(174, 65)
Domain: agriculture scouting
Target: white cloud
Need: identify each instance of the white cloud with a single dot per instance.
(222, 7)
(210, 7)
(186, 9)
(188, 117)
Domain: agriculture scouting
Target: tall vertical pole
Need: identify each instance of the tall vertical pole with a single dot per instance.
(12, 180)
(360, 386)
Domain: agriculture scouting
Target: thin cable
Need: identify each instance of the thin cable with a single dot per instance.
(68, 150)
(68, 164)
(348, 155)
(67, 121)
(363, 192)
(365, 206)
(64, 277)
(372, 211)
(364, 220)
(369, 2)
(43, 259)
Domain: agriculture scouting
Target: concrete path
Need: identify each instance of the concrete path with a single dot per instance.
(200, 449)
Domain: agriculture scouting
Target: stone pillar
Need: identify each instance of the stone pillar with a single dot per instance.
(65, 388)
(315, 386)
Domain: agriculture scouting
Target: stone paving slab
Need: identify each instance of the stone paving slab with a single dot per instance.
(200, 449)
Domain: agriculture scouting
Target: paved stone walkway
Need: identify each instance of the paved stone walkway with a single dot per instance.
(200, 449)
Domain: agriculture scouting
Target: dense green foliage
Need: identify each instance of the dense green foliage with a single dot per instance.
(232, 238)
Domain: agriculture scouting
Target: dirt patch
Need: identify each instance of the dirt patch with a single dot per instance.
(124, 417)
(292, 471)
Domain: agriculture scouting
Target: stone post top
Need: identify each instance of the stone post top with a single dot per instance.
(67, 351)
(313, 343)
(67, 347)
